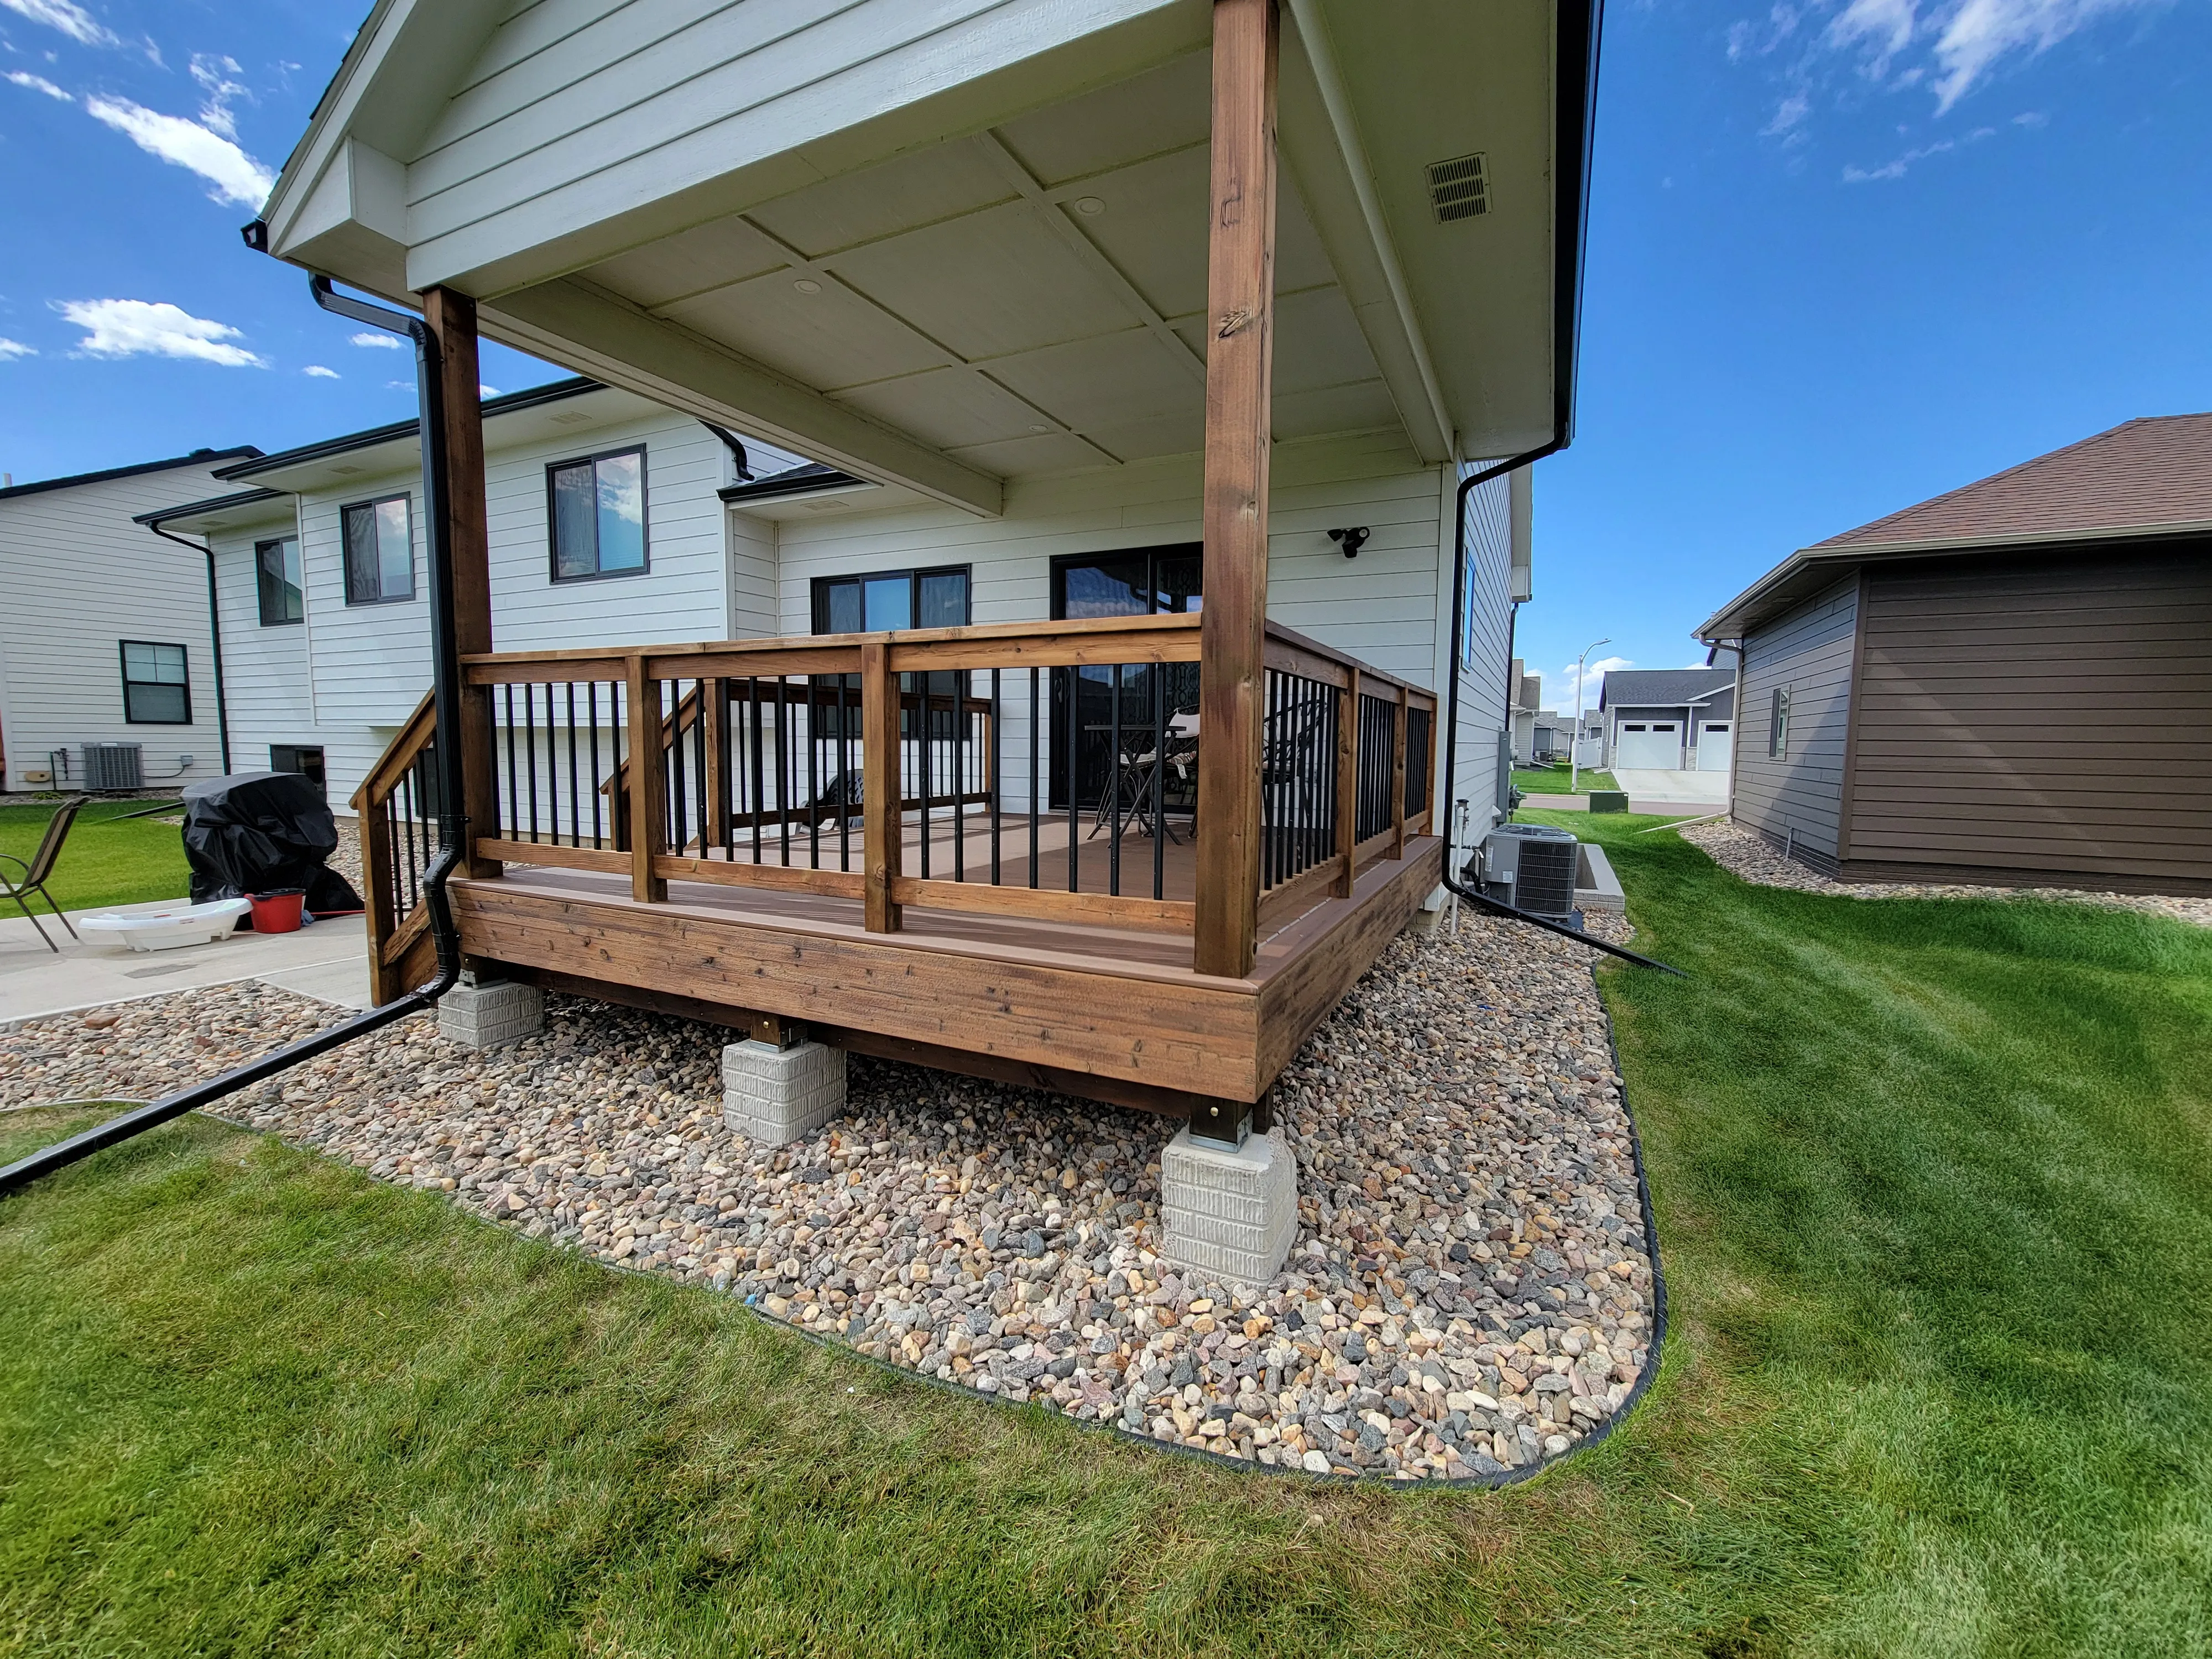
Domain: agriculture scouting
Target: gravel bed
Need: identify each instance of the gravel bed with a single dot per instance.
(1470, 1291)
(1744, 853)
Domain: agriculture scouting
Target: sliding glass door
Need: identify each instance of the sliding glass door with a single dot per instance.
(1135, 581)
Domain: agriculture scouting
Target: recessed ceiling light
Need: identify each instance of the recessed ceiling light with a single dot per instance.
(807, 285)
(1090, 204)
(1039, 426)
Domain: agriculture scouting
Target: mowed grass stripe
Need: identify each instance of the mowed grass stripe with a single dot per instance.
(1932, 1188)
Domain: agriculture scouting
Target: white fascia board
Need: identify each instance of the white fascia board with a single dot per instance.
(613, 340)
(1015, 56)
(1318, 132)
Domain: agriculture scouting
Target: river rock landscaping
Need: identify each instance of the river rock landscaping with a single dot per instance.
(1471, 1292)
(1743, 853)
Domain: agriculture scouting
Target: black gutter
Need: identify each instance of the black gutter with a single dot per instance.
(811, 479)
(215, 637)
(453, 823)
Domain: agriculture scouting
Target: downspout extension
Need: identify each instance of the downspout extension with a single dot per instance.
(453, 822)
(1498, 908)
(215, 638)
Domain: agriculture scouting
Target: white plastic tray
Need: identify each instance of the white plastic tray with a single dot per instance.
(173, 928)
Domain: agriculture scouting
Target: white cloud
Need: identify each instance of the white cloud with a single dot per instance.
(316, 371)
(1980, 32)
(212, 70)
(1564, 698)
(1896, 169)
(1883, 27)
(70, 18)
(380, 342)
(39, 83)
(236, 176)
(1788, 114)
(141, 328)
(11, 349)
(483, 390)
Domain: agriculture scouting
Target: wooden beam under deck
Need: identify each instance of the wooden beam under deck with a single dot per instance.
(1088, 1010)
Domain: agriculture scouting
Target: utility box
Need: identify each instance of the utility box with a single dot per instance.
(1608, 800)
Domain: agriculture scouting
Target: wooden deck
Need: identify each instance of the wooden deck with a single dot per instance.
(1117, 1014)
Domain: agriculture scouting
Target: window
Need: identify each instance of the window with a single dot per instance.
(276, 568)
(1778, 725)
(379, 551)
(891, 598)
(157, 687)
(596, 509)
(306, 759)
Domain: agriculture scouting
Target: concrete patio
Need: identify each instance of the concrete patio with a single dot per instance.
(328, 961)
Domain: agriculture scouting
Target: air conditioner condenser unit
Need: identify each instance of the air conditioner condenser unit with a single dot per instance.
(1530, 866)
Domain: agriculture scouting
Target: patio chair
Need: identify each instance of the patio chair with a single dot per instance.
(34, 879)
(1131, 785)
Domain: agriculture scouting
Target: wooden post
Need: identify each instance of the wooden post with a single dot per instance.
(376, 879)
(1398, 777)
(1348, 783)
(648, 829)
(882, 807)
(452, 318)
(1239, 381)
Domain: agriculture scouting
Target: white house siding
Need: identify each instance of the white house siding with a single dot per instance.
(263, 668)
(1796, 800)
(76, 578)
(371, 664)
(1487, 648)
(1383, 608)
(580, 109)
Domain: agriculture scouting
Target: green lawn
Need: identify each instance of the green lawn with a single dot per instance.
(1552, 780)
(1934, 1191)
(103, 862)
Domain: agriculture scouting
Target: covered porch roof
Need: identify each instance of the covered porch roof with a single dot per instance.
(946, 245)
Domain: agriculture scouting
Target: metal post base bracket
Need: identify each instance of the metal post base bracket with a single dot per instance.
(1230, 1213)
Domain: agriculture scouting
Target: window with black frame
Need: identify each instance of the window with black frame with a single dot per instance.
(277, 573)
(379, 537)
(157, 684)
(881, 600)
(1135, 581)
(595, 509)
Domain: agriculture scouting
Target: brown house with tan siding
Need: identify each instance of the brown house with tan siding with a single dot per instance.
(2010, 684)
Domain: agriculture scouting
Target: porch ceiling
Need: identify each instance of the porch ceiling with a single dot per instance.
(1024, 296)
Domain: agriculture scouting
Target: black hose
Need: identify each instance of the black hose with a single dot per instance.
(453, 823)
(1500, 908)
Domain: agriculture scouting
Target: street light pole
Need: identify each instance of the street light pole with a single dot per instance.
(1575, 743)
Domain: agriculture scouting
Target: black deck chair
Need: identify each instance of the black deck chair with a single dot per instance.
(40, 866)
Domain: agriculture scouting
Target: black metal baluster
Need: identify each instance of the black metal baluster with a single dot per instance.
(514, 805)
(921, 683)
(962, 686)
(992, 759)
(591, 708)
(1114, 773)
(1158, 672)
(699, 770)
(575, 806)
(813, 780)
(672, 800)
(1036, 722)
(844, 778)
(783, 764)
(1074, 742)
(753, 767)
(530, 754)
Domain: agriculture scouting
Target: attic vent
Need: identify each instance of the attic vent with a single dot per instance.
(1459, 188)
(574, 417)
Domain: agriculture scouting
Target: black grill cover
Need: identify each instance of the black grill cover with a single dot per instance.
(254, 832)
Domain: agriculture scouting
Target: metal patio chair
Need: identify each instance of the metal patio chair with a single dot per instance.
(34, 879)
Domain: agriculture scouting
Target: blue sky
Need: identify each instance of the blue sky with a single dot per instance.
(1844, 254)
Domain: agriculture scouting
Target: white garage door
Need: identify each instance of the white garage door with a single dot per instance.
(1714, 744)
(1649, 746)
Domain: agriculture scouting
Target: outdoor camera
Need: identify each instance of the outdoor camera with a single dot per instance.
(1350, 540)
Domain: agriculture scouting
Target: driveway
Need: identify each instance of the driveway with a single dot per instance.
(328, 961)
(1709, 790)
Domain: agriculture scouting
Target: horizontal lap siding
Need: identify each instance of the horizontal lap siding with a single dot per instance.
(2045, 714)
(1797, 798)
(1486, 649)
(263, 668)
(76, 578)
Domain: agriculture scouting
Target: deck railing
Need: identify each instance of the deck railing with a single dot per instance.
(1041, 771)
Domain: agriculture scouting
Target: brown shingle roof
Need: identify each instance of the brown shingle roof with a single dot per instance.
(2140, 475)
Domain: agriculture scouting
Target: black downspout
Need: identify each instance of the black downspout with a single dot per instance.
(215, 637)
(453, 825)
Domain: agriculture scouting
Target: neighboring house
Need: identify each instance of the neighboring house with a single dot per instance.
(105, 636)
(1667, 720)
(1539, 733)
(1116, 312)
(324, 596)
(2011, 683)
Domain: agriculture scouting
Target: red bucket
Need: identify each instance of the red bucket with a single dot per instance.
(276, 912)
